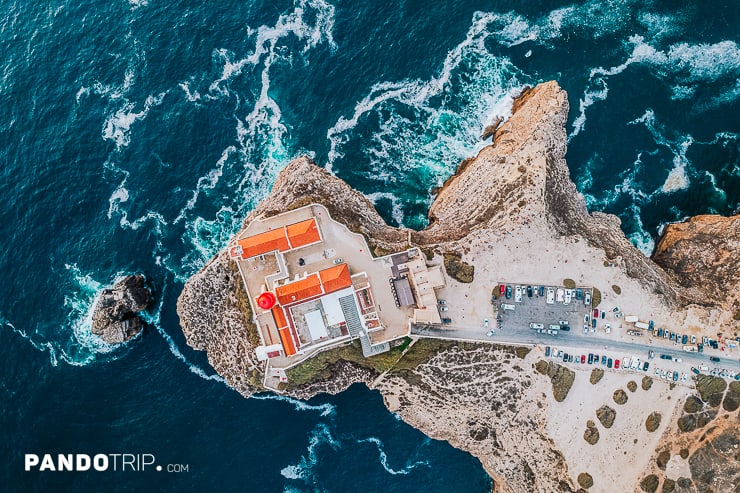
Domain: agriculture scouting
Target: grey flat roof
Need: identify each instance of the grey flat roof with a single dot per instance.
(403, 291)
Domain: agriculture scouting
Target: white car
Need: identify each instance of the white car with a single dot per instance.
(662, 374)
(518, 294)
(693, 339)
(550, 296)
(587, 299)
(491, 333)
(559, 295)
(338, 261)
(485, 323)
(608, 328)
(585, 329)
(657, 372)
(684, 377)
(568, 296)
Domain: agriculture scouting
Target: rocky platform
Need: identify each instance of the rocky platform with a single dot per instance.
(116, 314)
(517, 186)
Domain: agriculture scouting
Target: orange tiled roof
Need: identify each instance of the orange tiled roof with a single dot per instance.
(335, 278)
(299, 290)
(303, 233)
(279, 316)
(287, 341)
(264, 242)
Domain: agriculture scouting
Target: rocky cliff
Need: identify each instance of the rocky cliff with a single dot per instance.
(515, 197)
(704, 253)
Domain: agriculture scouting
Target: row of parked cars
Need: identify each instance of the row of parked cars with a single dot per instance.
(590, 358)
(561, 295)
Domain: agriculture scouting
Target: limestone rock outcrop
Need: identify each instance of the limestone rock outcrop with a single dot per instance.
(704, 253)
(116, 314)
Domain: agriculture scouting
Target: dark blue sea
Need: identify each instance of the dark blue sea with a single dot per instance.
(135, 136)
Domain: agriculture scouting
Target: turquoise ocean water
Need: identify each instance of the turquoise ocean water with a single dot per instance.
(136, 136)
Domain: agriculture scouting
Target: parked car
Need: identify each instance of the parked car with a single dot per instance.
(685, 339)
(583, 358)
(559, 295)
(714, 359)
(593, 323)
(660, 332)
(502, 290)
(508, 292)
(518, 294)
(603, 315)
(446, 320)
(568, 296)
(443, 308)
(338, 261)
(579, 294)
(485, 323)
(615, 309)
(596, 313)
(586, 319)
(442, 302)
(587, 299)
(693, 339)
(542, 290)
(645, 366)
(604, 361)
(547, 351)
(590, 358)
(565, 328)
(529, 291)
(657, 372)
(585, 329)
(570, 358)
(616, 363)
(665, 356)
(695, 370)
(490, 333)
(550, 296)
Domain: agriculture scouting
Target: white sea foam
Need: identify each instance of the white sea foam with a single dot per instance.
(324, 409)
(421, 129)
(304, 469)
(117, 126)
(384, 459)
(396, 210)
(641, 238)
(678, 178)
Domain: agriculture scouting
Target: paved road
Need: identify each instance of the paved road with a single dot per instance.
(588, 343)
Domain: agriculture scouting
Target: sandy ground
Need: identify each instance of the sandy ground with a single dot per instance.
(505, 260)
(622, 452)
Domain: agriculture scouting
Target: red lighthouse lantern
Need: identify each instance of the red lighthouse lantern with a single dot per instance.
(266, 300)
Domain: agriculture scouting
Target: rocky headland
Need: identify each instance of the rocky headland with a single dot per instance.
(515, 199)
(116, 314)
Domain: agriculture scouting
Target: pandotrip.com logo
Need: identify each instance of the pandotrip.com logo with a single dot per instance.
(98, 463)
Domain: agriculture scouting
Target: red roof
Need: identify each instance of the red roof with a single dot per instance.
(335, 278)
(299, 290)
(264, 242)
(279, 316)
(287, 341)
(303, 233)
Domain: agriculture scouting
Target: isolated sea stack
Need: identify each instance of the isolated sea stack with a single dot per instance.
(116, 315)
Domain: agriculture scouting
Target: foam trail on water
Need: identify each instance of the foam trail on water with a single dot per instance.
(323, 409)
(384, 459)
(677, 178)
(397, 211)
(304, 469)
(117, 126)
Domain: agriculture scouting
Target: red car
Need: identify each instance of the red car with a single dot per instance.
(596, 313)
(501, 289)
(616, 364)
(583, 358)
